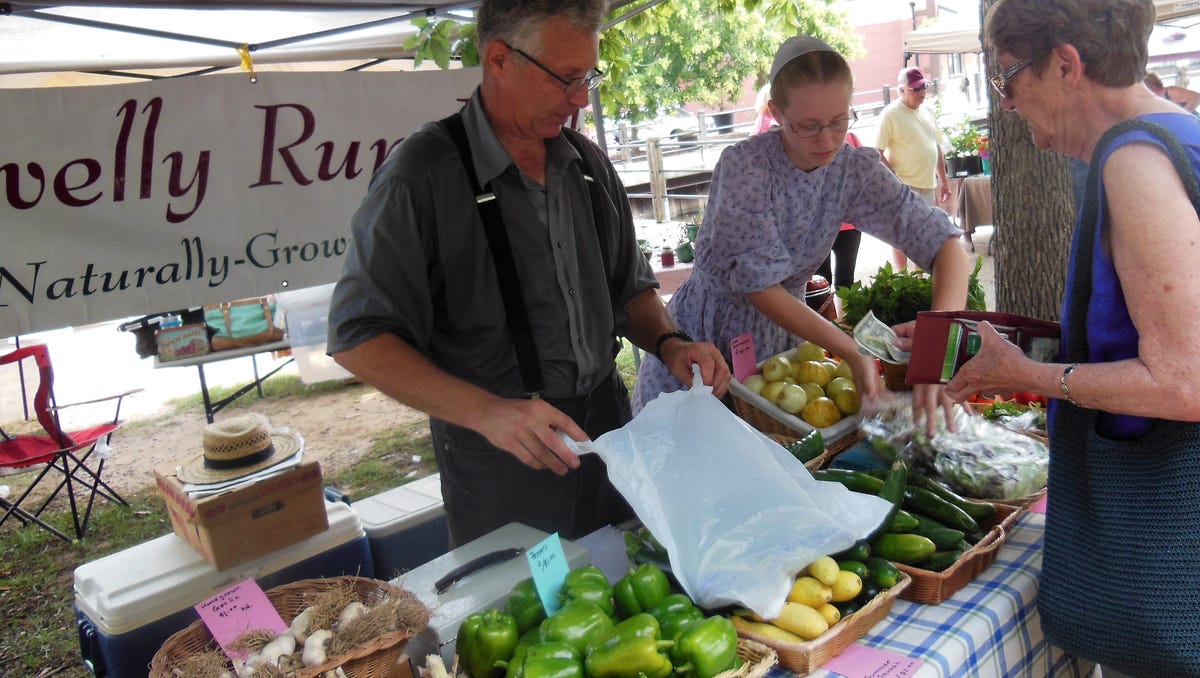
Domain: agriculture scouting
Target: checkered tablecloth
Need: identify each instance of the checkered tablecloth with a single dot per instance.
(989, 629)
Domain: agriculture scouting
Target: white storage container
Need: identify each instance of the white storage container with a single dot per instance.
(483, 589)
(405, 526)
(306, 317)
(128, 603)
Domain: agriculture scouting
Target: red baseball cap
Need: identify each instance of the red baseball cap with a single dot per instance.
(912, 78)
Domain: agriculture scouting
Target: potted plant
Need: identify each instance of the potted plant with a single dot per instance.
(967, 143)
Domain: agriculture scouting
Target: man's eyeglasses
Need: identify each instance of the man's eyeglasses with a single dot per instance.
(838, 127)
(1003, 81)
(570, 86)
(922, 88)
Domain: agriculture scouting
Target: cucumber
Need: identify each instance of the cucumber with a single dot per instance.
(883, 573)
(922, 501)
(903, 521)
(941, 560)
(910, 549)
(981, 511)
(859, 482)
(943, 537)
(892, 490)
(867, 594)
(811, 446)
(860, 552)
(855, 566)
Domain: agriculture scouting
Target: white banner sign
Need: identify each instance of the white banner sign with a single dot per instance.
(125, 200)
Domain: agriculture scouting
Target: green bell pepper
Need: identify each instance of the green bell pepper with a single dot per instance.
(599, 595)
(676, 602)
(575, 623)
(640, 589)
(706, 647)
(673, 622)
(638, 626)
(553, 667)
(629, 659)
(553, 649)
(587, 573)
(513, 667)
(525, 606)
(485, 638)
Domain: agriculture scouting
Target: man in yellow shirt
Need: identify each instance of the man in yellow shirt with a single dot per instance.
(911, 145)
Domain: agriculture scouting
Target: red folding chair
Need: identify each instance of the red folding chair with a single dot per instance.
(61, 457)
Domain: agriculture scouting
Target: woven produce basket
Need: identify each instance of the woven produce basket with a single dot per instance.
(757, 660)
(751, 407)
(806, 657)
(934, 587)
(376, 658)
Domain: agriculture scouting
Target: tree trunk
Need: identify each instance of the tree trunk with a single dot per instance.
(1033, 214)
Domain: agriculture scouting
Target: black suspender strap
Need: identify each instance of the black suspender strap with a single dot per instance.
(506, 267)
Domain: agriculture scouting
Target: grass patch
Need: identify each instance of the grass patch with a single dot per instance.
(403, 455)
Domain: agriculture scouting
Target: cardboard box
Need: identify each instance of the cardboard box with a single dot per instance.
(248, 522)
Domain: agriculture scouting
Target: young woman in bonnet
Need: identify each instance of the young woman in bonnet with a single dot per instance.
(776, 204)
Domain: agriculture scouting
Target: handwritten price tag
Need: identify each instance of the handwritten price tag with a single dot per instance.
(742, 350)
(860, 661)
(549, 566)
(237, 610)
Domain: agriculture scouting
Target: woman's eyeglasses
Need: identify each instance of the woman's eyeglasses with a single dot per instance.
(1003, 81)
(571, 86)
(811, 131)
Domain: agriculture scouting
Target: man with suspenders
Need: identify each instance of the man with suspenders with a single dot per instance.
(493, 265)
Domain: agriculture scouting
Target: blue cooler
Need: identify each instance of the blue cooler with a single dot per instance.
(128, 603)
(406, 526)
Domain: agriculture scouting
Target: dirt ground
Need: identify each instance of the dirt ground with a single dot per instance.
(338, 427)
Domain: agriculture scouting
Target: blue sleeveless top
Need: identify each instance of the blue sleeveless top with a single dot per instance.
(1111, 335)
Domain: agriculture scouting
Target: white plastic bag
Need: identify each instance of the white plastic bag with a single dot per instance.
(738, 515)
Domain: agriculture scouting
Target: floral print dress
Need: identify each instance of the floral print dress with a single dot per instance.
(769, 222)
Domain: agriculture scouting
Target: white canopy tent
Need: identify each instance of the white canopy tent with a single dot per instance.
(959, 33)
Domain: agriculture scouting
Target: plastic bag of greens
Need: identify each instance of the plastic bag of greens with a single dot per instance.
(985, 460)
(738, 515)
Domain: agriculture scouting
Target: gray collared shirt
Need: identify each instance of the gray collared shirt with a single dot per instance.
(420, 267)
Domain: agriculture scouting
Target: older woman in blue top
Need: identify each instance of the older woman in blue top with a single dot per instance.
(775, 207)
(1117, 582)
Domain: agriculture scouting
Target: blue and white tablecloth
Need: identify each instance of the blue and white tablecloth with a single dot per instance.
(989, 629)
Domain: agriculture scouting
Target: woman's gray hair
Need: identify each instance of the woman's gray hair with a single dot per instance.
(517, 22)
(1110, 35)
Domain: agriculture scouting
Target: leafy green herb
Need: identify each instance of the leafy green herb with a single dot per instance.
(896, 297)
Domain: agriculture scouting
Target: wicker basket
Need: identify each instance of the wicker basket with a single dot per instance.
(374, 659)
(934, 587)
(894, 375)
(760, 419)
(757, 660)
(806, 657)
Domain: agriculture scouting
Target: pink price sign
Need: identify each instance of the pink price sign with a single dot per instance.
(237, 610)
(742, 350)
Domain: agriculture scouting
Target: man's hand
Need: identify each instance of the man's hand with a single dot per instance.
(529, 430)
(679, 355)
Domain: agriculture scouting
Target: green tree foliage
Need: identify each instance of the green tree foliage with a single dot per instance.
(679, 51)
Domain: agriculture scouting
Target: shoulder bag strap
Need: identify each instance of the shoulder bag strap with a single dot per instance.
(1081, 283)
(502, 257)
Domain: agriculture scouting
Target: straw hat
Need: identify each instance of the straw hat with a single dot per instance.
(236, 447)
